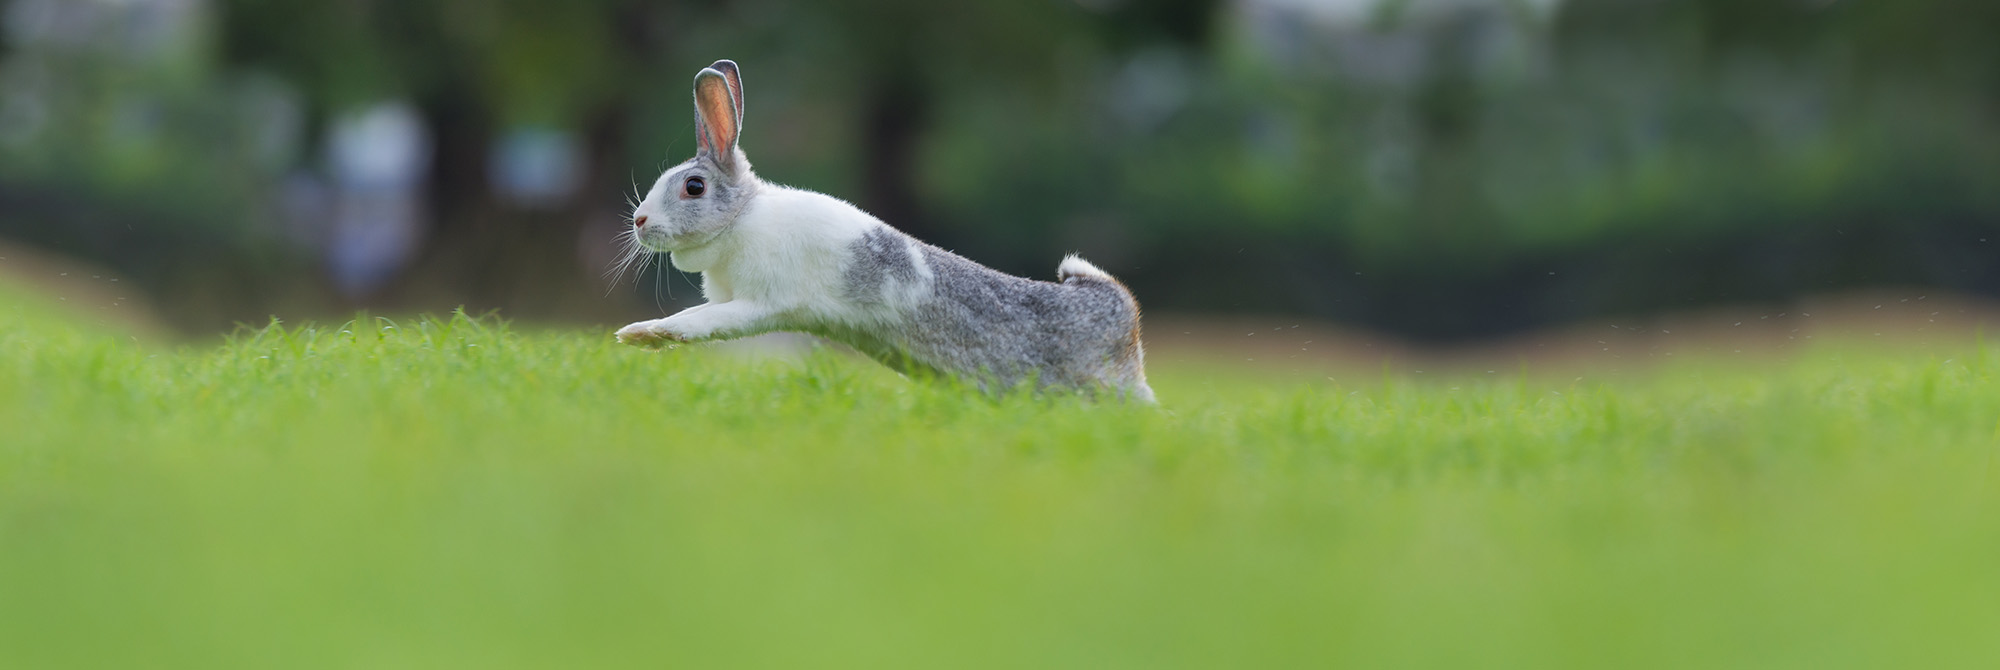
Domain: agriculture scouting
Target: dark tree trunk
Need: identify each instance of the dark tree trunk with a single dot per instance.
(893, 123)
(462, 132)
(458, 201)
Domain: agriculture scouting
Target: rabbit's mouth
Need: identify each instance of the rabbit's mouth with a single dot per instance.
(658, 239)
(656, 242)
(665, 242)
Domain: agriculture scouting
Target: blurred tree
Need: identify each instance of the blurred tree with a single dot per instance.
(907, 51)
(1901, 39)
(117, 146)
(1493, 151)
(477, 67)
(473, 69)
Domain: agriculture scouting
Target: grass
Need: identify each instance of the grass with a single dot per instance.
(456, 493)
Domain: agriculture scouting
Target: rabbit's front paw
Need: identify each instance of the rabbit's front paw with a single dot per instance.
(650, 334)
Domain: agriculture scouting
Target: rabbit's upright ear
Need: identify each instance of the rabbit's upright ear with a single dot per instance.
(717, 118)
(734, 77)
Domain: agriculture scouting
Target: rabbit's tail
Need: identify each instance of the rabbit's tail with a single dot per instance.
(1073, 267)
(1127, 363)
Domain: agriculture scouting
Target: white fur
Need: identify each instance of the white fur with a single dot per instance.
(1075, 266)
(779, 266)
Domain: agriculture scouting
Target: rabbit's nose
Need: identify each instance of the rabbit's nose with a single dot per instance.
(639, 222)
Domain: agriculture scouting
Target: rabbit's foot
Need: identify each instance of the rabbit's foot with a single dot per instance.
(653, 334)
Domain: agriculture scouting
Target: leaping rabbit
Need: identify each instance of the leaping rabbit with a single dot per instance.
(778, 258)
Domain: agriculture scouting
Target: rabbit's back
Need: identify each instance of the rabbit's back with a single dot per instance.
(946, 312)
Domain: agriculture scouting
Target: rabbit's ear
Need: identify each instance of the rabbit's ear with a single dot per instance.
(715, 109)
(734, 77)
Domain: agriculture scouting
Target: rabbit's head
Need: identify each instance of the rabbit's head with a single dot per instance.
(695, 201)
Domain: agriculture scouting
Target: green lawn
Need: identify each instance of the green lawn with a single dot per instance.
(432, 494)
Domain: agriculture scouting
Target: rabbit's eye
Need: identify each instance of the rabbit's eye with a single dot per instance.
(695, 187)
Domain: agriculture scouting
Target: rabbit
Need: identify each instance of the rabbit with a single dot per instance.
(776, 258)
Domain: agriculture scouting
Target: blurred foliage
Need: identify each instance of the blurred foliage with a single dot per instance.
(531, 59)
(145, 159)
(1613, 134)
(1781, 147)
(1439, 168)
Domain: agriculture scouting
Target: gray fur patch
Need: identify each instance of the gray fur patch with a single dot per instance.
(878, 258)
(996, 328)
(1009, 327)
